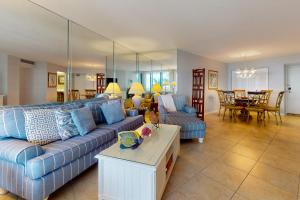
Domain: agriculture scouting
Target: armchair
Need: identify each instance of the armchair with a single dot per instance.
(185, 116)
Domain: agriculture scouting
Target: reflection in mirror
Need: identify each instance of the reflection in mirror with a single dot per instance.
(125, 61)
(160, 77)
(33, 54)
(90, 55)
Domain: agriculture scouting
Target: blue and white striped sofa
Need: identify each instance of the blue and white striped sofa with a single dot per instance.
(191, 126)
(34, 172)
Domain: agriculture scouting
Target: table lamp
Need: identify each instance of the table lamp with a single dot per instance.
(157, 90)
(165, 85)
(113, 89)
(173, 85)
(137, 89)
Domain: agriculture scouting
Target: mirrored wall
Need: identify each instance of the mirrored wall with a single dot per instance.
(47, 58)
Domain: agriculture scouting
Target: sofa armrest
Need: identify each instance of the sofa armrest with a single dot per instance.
(19, 151)
(189, 109)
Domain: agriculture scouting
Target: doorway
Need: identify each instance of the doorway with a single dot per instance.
(293, 89)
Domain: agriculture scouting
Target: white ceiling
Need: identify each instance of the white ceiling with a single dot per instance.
(225, 30)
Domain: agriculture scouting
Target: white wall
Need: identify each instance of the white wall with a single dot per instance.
(276, 68)
(186, 62)
(9, 78)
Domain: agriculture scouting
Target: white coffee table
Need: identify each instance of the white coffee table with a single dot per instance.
(140, 174)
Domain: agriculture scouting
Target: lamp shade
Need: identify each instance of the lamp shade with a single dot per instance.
(136, 89)
(156, 88)
(113, 88)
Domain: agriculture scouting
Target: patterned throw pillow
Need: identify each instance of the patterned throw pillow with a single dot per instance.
(40, 126)
(65, 124)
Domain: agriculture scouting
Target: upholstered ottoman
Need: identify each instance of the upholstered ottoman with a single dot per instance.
(191, 127)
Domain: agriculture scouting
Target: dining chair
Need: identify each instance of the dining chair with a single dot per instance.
(256, 104)
(267, 96)
(276, 109)
(221, 100)
(239, 93)
(229, 104)
(75, 95)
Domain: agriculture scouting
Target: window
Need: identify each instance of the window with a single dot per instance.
(260, 81)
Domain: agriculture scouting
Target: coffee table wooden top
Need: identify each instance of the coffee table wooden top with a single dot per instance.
(150, 151)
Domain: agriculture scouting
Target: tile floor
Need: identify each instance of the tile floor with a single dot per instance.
(237, 161)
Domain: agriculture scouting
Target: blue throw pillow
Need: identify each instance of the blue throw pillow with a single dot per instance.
(189, 109)
(95, 107)
(83, 119)
(113, 112)
(65, 124)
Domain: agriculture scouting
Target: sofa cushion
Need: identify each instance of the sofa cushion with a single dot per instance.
(65, 124)
(180, 101)
(113, 112)
(128, 124)
(12, 120)
(40, 126)
(83, 119)
(95, 107)
(187, 123)
(19, 151)
(60, 153)
(181, 114)
(168, 102)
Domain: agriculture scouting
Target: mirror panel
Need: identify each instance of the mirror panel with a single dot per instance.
(125, 68)
(90, 55)
(33, 50)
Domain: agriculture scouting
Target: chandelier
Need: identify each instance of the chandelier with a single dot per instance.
(246, 73)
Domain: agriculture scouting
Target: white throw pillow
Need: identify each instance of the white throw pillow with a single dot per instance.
(40, 126)
(168, 102)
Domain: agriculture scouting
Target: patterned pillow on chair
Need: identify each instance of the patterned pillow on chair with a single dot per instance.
(40, 126)
(65, 124)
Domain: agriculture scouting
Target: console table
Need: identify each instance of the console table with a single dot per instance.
(143, 173)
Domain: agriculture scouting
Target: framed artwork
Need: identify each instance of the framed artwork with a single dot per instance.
(212, 80)
(52, 80)
(61, 79)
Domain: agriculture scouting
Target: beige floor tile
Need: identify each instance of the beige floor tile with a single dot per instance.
(204, 188)
(254, 143)
(173, 196)
(280, 162)
(247, 151)
(238, 197)
(238, 161)
(284, 180)
(257, 189)
(8, 196)
(228, 176)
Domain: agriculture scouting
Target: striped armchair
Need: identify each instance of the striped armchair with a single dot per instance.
(185, 116)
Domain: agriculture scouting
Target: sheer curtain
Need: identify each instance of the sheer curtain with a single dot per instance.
(260, 81)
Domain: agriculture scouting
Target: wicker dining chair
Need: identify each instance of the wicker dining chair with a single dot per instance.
(267, 97)
(276, 109)
(221, 100)
(239, 93)
(256, 104)
(229, 104)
